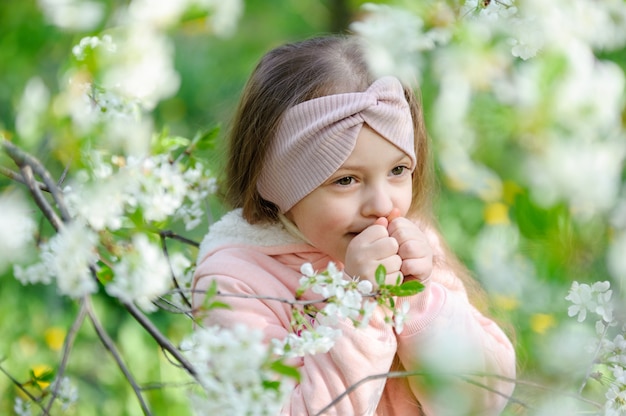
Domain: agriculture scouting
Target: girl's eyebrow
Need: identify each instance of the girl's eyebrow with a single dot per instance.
(404, 159)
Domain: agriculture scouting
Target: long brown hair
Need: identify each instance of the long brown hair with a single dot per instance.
(286, 76)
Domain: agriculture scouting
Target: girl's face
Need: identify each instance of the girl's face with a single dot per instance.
(374, 179)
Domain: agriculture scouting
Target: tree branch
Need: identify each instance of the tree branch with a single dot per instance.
(110, 345)
(22, 158)
(67, 347)
(160, 338)
(167, 255)
(40, 200)
(19, 178)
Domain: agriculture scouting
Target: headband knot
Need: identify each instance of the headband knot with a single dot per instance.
(314, 138)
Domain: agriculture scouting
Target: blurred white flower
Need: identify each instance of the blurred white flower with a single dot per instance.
(66, 258)
(589, 96)
(162, 15)
(141, 274)
(498, 261)
(73, 15)
(17, 229)
(67, 392)
(381, 30)
(597, 23)
(587, 175)
(616, 260)
(31, 110)
(466, 175)
(142, 65)
(100, 204)
(93, 42)
(224, 15)
(22, 407)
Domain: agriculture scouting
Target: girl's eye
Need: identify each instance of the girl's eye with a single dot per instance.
(398, 170)
(345, 181)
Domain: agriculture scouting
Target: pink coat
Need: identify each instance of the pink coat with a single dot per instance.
(443, 332)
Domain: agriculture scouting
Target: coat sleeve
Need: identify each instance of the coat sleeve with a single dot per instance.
(357, 354)
(458, 352)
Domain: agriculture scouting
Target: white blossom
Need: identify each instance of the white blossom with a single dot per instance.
(17, 228)
(233, 367)
(67, 392)
(73, 15)
(31, 110)
(616, 350)
(595, 299)
(67, 258)
(22, 407)
(142, 66)
(308, 342)
(380, 31)
(141, 274)
(400, 315)
(93, 42)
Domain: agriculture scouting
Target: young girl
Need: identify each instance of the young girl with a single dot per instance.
(326, 164)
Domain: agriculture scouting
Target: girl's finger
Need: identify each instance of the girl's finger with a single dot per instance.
(395, 213)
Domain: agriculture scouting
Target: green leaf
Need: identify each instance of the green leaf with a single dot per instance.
(285, 370)
(205, 140)
(104, 272)
(380, 274)
(409, 288)
(271, 385)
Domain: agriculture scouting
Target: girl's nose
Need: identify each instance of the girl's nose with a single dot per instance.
(377, 202)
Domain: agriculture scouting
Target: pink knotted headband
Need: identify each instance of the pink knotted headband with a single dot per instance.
(316, 137)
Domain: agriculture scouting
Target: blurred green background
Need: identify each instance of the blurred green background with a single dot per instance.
(34, 320)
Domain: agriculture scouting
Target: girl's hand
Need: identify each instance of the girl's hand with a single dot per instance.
(371, 248)
(414, 248)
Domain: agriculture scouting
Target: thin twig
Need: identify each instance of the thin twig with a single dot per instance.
(174, 236)
(403, 374)
(159, 337)
(67, 348)
(595, 355)
(110, 345)
(23, 390)
(294, 302)
(22, 159)
(40, 200)
(19, 178)
(167, 256)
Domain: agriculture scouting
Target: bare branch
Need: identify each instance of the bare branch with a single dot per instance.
(40, 200)
(19, 178)
(159, 337)
(403, 374)
(67, 348)
(110, 345)
(174, 236)
(167, 255)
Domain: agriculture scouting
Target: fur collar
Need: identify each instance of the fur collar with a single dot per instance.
(233, 230)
